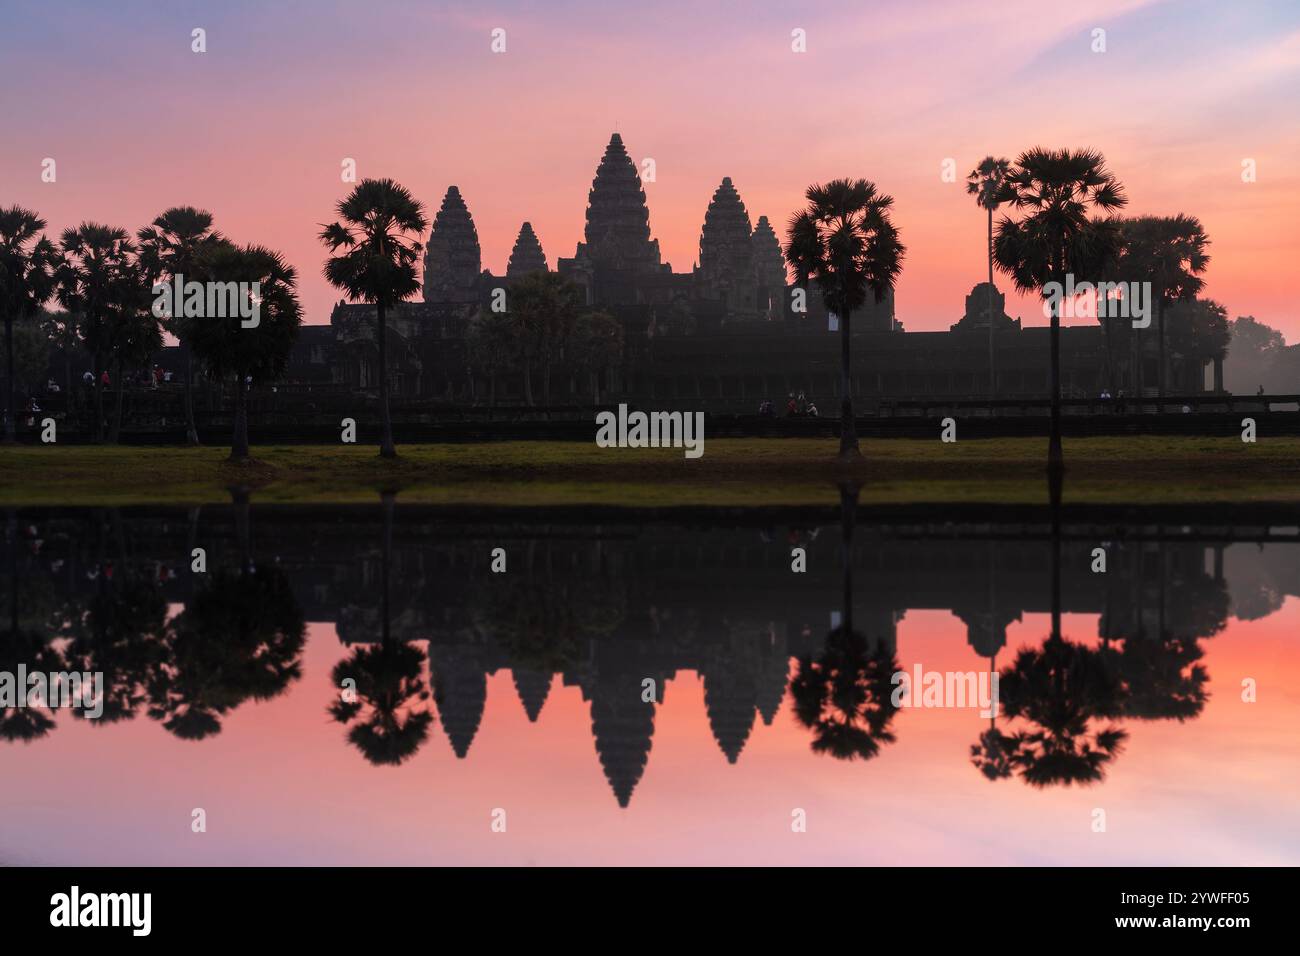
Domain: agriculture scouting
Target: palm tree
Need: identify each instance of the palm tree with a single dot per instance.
(1059, 692)
(1057, 237)
(239, 638)
(1168, 252)
(986, 182)
(846, 242)
(96, 280)
(27, 264)
(178, 243)
(118, 629)
(26, 647)
(845, 693)
(388, 693)
(134, 336)
(228, 348)
(373, 257)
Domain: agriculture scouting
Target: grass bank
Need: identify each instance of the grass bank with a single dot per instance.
(733, 472)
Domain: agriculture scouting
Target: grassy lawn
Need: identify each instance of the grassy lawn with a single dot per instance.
(732, 472)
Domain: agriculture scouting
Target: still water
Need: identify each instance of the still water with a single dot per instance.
(647, 690)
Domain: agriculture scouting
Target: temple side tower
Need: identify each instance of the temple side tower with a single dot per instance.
(452, 260)
(726, 271)
(769, 270)
(527, 255)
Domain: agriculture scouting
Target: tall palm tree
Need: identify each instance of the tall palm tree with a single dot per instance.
(1064, 695)
(96, 280)
(986, 182)
(846, 242)
(228, 348)
(27, 264)
(373, 253)
(1058, 189)
(388, 693)
(1169, 252)
(177, 243)
(844, 695)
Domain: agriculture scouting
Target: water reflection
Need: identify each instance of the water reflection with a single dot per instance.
(617, 608)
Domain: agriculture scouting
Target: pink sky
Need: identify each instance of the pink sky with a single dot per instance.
(255, 129)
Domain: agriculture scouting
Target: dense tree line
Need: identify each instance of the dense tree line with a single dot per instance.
(103, 278)
(1062, 227)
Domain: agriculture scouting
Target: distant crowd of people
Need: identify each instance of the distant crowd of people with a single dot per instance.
(150, 378)
(796, 406)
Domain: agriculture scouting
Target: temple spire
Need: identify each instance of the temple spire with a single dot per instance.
(726, 254)
(527, 255)
(533, 687)
(769, 269)
(452, 259)
(618, 220)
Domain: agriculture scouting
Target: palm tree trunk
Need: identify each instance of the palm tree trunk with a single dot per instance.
(10, 412)
(243, 528)
(191, 545)
(528, 383)
(993, 389)
(848, 508)
(1108, 342)
(1137, 365)
(99, 400)
(387, 499)
(239, 443)
(1055, 488)
(1160, 350)
(848, 427)
(115, 432)
(67, 380)
(191, 429)
(386, 448)
(1055, 457)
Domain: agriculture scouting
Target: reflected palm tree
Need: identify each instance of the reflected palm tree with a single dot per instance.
(382, 702)
(118, 632)
(26, 647)
(845, 693)
(1064, 693)
(1163, 679)
(239, 638)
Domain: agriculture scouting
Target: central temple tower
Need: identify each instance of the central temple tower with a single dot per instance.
(618, 221)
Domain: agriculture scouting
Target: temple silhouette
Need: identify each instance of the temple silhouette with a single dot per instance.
(722, 336)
